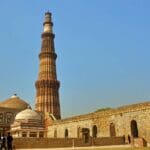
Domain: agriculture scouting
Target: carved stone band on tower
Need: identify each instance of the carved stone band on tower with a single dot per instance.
(47, 85)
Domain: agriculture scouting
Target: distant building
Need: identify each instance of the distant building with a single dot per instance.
(8, 110)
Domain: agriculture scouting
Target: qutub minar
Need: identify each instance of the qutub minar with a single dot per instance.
(43, 127)
(47, 85)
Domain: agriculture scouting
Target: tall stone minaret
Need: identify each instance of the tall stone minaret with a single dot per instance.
(47, 85)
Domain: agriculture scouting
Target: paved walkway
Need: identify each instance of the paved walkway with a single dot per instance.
(81, 148)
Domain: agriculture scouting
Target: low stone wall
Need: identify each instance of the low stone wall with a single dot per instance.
(41, 143)
(108, 141)
(60, 142)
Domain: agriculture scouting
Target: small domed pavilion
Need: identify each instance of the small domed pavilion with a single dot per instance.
(28, 123)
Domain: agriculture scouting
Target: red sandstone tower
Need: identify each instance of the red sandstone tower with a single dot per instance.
(47, 85)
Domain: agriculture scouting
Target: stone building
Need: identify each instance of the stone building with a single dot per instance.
(8, 110)
(28, 123)
(132, 120)
(126, 121)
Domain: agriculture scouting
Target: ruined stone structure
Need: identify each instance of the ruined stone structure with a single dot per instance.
(131, 122)
(8, 110)
(47, 85)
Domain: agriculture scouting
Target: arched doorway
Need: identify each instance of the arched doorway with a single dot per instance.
(66, 133)
(86, 134)
(112, 130)
(94, 131)
(134, 128)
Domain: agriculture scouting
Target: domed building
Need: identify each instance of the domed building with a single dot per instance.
(28, 123)
(14, 102)
(8, 110)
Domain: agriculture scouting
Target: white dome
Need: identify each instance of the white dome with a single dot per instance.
(28, 114)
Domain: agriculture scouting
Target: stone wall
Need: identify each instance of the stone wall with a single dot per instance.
(7, 116)
(71, 126)
(61, 142)
(120, 118)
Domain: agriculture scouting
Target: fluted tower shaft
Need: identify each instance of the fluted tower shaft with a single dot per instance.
(47, 85)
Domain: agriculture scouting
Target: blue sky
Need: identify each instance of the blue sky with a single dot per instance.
(103, 51)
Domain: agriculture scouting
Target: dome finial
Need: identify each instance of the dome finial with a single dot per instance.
(14, 96)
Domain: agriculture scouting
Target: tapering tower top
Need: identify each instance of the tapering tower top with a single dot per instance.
(48, 22)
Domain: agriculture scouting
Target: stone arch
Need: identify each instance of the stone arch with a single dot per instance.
(134, 128)
(86, 134)
(112, 130)
(1, 118)
(94, 131)
(66, 133)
